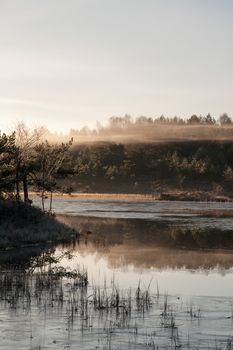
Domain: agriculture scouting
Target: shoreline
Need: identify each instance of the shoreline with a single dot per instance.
(113, 196)
(163, 197)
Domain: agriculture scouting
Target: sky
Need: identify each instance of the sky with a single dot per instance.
(68, 63)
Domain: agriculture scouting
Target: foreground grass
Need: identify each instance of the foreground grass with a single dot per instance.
(22, 224)
(56, 308)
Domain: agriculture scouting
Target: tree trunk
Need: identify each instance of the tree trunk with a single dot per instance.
(25, 188)
(51, 201)
(42, 199)
(17, 185)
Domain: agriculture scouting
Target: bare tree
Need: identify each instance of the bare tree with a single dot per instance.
(25, 142)
(49, 160)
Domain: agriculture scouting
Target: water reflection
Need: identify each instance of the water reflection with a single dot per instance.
(24, 258)
(142, 244)
(53, 310)
(147, 244)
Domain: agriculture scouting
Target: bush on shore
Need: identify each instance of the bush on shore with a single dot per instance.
(22, 224)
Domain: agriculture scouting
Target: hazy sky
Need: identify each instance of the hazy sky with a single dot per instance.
(67, 63)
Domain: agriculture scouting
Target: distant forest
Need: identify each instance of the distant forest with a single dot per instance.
(153, 161)
(144, 129)
(152, 167)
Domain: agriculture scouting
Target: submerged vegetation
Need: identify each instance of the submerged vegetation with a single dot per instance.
(73, 312)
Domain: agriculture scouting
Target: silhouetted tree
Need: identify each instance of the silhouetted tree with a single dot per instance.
(224, 119)
(24, 152)
(7, 152)
(194, 119)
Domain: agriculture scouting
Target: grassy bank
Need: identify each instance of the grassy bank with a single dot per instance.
(192, 196)
(23, 224)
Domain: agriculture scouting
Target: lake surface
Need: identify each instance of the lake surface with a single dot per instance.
(181, 212)
(183, 260)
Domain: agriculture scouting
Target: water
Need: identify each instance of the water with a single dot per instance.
(166, 248)
(178, 212)
(126, 241)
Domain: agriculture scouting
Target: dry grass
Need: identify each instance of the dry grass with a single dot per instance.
(106, 196)
(193, 196)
